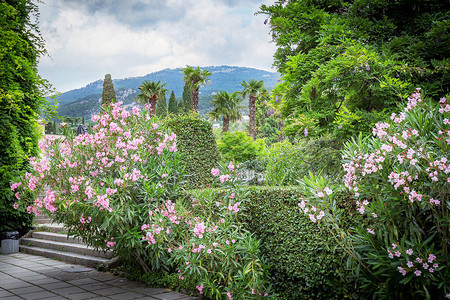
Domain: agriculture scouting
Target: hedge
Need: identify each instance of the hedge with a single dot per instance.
(198, 149)
(301, 264)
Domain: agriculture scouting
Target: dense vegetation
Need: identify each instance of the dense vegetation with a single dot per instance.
(346, 65)
(21, 101)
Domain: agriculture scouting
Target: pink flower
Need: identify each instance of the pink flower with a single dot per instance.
(16, 206)
(200, 288)
(224, 178)
(410, 264)
(170, 250)
(231, 166)
(215, 172)
(409, 251)
(15, 185)
(229, 296)
(370, 230)
(328, 191)
(417, 272)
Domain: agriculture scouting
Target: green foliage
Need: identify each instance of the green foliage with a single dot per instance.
(354, 59)
(161, 107)
(287, 163)
(197, 146)
(185, 104)
(108, 93)
(240, 147)
(194, 78)
(173, 105)
(150, 93)
(226, 106)
(301, 265)
(21, 102)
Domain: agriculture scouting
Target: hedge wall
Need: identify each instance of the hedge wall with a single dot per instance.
(301, 265)
(198, 149)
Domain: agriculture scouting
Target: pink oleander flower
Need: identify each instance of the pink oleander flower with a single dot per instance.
(215, 172)
(409, 251)
(229, 296)
(110, 244)
(16, 206)
(231, 166)
(224, 178)
(370, 230)
(328, 191)
(417, 272)
(15, 185)
(200, 288)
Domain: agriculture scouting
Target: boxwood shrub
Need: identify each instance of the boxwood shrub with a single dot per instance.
(301, 264)
(198, 149)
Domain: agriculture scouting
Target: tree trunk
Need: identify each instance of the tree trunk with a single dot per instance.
(153, 102)
(226, 124)
(195, 99)
(252, 110)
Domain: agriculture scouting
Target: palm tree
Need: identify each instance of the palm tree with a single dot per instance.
(195, 77)
(226, 105)
(150, 91)
(253, 89)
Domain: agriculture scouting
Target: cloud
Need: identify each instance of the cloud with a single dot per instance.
(89, 38)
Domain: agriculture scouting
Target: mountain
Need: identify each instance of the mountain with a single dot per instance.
(86, 100)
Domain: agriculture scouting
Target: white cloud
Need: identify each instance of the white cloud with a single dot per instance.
(87, 39)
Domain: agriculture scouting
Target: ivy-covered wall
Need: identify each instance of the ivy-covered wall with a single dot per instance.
(198, 149)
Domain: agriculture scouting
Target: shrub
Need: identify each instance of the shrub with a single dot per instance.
(240, 147)
(401, 185)
(287, 163)
(102, 185)
(197, 146)
(301, 265)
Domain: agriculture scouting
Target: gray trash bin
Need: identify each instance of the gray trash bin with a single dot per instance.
(10, 242)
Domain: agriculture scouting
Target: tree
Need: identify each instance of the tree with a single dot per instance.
(194, 78)
(347, 64)
(108, 93)
(161, 107)
(150, 91)
(185, 104)
(226, 106)
(21, 102)
(253, 89)
(173, 105)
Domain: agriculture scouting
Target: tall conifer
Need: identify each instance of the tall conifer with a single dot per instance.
(161, 106)
(173, 106)
(187, 99)
(108, 94)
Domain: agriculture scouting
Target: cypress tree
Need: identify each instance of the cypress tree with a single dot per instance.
(187, 99)
(82, 120)
(161, 106)
(173, 106)
(108, 94)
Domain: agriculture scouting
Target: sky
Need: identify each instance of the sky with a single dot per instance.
(86, 39)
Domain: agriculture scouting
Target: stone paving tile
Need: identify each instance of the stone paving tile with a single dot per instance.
(168, 296)
(125, 296)
(46, 280)
(45, 295)
(12, 298)
(83, 281)
(78, 296)
(15, 284)
(4, 293)
(27, 290)
(109, 291)
(95, 286)
(153, 291)
(68, 290)
(56, 285)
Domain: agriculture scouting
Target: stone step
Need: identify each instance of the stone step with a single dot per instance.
(84, 260)
(79, 249)
(57, 237)
(56, 228)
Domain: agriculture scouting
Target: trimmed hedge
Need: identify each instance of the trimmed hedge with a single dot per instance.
(198, 149)
(301, 264)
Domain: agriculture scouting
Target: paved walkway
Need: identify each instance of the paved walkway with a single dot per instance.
(25, 276)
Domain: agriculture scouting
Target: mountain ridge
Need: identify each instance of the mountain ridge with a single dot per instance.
(84, 100)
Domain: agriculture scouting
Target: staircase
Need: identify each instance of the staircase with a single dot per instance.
(51, 240)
